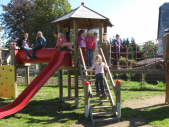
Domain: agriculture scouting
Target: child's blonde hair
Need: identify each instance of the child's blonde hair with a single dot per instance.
(99, 59)
(39, 32)
(60, 34)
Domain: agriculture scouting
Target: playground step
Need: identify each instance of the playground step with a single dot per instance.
(99, 101)
(103, 113)
(100, 91)
(91, 75)
(92, 80)
(105, 120)
(102, 107)
(78, 88)
(99, 95)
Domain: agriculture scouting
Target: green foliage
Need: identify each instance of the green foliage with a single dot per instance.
(130, 75)
(45, 12)
(161, 84)
(123, 61)
(16, 18)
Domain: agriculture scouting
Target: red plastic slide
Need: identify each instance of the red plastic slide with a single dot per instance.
(58, 59)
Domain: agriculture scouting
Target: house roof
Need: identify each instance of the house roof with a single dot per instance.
(86, 17)
(163, 22)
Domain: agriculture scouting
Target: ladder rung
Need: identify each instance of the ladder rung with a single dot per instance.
(91, 75)
(94, 85)
(103, 113)
(92, 80)
(78, 88)
(99, 101)
(99, 95)
(95, 90)
(101, 107)
(105, 119)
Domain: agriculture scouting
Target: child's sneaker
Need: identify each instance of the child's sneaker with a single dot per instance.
(104, 96)
(28, 58)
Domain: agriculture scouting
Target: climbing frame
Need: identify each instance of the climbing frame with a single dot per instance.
(8, 86)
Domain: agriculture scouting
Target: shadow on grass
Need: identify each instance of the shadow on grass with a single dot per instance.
(49, 111)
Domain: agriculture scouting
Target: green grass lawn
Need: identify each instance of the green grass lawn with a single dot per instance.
(45, 110)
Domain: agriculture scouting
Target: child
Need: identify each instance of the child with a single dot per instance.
(99, 74)
(40, 43)
(55, 34)
(61, 40)
(24, 44)
(82, 44)
(96, 51)
(116, 48)
(69, 47)
(90, 41)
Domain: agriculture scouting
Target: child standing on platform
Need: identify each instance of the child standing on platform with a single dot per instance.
(90, 41)
(96, 51)
(60, 41)
(99, 75)
(82, 44)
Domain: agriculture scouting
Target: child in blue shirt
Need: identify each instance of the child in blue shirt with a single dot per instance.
(40, 43)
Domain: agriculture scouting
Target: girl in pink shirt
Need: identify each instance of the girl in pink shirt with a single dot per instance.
(60, 41)
(99, 74)
(90, 41)
(82, 44)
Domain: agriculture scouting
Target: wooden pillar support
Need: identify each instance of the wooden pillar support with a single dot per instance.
(27, 75)
(167, 67)
(69, 84)
(60, 86)
(86, 99)
(118, 97)
(59, 30)
(76, 61)
(101, 32)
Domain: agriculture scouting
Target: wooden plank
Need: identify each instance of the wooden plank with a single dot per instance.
(102, 113)
(69, 84)
(141, 72)
(101, 32)
(99, 101)
(68, 43)
(102, 107)
(68, 23)
(76, 60)
(27, 76)
(60, 86)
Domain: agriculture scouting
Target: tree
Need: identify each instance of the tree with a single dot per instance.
(16, 18)
(47, 11)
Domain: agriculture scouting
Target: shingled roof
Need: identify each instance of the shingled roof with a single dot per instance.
(86, 17)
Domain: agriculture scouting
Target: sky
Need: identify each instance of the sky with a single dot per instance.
(131, 18)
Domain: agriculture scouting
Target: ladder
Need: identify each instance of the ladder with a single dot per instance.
(98, 111)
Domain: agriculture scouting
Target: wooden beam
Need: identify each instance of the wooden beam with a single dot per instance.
(66, 44)
(69, 84)
(68, 23)
(27, 76)
(141, 71)
(59, 30)
(89, 24)
(76, 61)
(101, 33)
(60, 86)
(105, 28)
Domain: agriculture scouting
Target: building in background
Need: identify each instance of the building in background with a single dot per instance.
(163, 27)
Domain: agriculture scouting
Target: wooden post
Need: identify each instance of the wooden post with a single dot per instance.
(118, 97)
(105, 28)
(69, 84)
(167, 67)
(101, 33)
(59, 30)
(76, 61)
(60, 86)
(86, 98)
(27, 75)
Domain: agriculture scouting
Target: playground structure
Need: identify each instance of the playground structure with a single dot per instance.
(79, 18)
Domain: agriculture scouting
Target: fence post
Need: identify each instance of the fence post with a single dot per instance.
(118, 97)
(86, 98)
